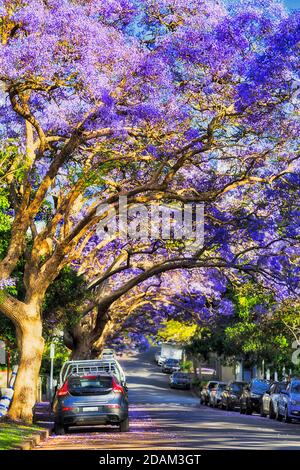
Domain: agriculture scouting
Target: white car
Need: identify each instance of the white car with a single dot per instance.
(108, 354)
(161, 360)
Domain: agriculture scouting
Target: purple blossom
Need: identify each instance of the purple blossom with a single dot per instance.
(7, 283)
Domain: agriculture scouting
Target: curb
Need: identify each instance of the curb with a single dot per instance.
(33, 441)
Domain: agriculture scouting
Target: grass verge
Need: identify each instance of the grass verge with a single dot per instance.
(12, 434)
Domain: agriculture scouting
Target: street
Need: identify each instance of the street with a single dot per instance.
(166, 419)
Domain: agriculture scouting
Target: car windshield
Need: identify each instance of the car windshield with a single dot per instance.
(296, 388)
(90, 384)
(260, 386)
(181, 375)
(172, 362)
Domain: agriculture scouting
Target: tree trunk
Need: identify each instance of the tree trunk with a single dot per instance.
(85, 341)
(82, 348)
(78, 339)
(31, 345)
(97, 346)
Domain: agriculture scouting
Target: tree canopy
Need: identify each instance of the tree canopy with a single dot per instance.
(163, 103)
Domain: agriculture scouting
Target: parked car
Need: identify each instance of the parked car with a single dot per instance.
(108, 354)
(289, 402)
(171, 365)
(215, 395)
(206, 391)
(156, 357)
(180, 380)
(161, 360)
(90, 400)
(230, 397)
(251, 397)
(270, 400)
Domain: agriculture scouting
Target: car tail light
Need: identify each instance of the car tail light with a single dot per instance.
(63, 391)
(113, 406)
(116, 387)
(67, 408)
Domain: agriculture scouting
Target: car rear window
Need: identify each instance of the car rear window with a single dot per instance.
(260, 386)
(237, 387)
(295, 387)
(89, 385)
(281, 387)
(212, 384)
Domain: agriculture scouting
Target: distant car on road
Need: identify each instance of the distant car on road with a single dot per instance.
(161, 360)
(215, 395)
(230, 397)
(289, 402)
(251, 397)
(90, 400)
(180, 380)
(171, 365)
(108, 354)
(270, 400)
(206, 390)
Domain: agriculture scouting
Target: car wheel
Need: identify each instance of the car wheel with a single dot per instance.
(262, 413)
(249, 411)
(124, 425)
(278, 415)
(272, 414)
(228, 407)
(59, 429)
(287, 419)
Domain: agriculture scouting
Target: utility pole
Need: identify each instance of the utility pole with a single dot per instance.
(8, 365)
(52, 353)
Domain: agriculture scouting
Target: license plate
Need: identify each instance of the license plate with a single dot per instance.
(90, 408)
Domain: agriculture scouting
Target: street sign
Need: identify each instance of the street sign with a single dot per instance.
(52, 350)
(2, 353)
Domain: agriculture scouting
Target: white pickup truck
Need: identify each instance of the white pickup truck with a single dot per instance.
(169, 351)
(112, 366)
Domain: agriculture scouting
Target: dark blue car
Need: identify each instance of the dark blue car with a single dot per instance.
(90, 400)
(289, 402)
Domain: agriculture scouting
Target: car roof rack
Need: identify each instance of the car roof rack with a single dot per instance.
(86, 367)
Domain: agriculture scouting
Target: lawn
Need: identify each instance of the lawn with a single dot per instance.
(13, 434)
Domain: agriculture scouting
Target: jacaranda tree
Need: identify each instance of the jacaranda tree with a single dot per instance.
(159, 101)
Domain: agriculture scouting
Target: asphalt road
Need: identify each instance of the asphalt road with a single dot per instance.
(165, 419)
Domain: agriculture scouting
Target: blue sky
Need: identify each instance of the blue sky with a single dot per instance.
(293, 3)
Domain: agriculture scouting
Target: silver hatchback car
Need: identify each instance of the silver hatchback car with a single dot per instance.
(90, 400)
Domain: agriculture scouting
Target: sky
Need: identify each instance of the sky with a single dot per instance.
(293, 3)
